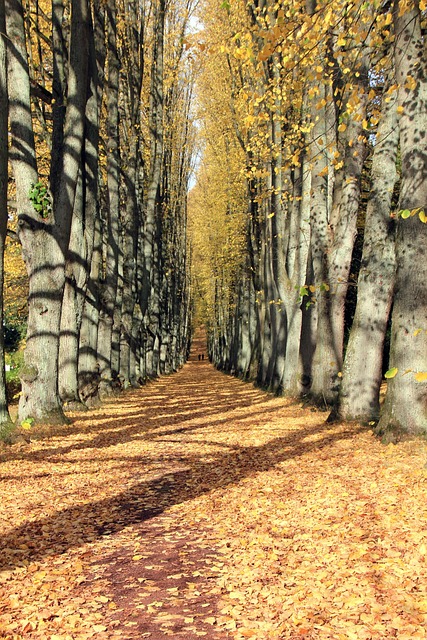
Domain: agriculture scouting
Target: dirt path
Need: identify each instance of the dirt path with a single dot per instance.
(199, 506)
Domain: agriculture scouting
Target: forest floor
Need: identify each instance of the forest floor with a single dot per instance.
(199, 506)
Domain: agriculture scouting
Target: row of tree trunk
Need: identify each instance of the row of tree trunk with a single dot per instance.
(355, 98)
(100, 172)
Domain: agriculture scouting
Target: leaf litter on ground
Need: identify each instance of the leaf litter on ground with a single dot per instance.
(199, 506)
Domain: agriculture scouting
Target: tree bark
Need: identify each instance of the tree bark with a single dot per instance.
(338, 235)
(112, 223)
(326, 359)
(88, 367)
(44, 235)
(4, 109)
(133, 70)
(405, 410)
(39, 398)
(72, 304)
(362, 370)
(150, 304)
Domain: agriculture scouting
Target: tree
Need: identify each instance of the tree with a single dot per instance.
(44, 221)
(4, 109)
(405, 410)
(303, 96)
(134, 68)
(111, 230)
(82, 235)
(362, 370)
(88, 364)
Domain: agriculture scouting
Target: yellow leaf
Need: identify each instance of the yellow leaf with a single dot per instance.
(101, 599)
(410, 83)
(423, 216)
(342, 127)
(99, 628)
(400, 109)
(137, 557)
(421, 376)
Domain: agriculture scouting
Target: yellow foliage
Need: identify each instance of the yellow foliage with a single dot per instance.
(15, 281)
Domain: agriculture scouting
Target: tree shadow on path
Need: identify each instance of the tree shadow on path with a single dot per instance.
(83, 523)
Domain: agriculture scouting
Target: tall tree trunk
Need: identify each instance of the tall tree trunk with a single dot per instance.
(88, 367)
(405, 410)
(150, 294)
(44, 235)
(343, 222)
(130, 232)
(46, 264)
(59, 89)
(4, 109)
(112, 223)
(278, 240)
(297, 257)
(72, 304)
(362, 370)
(326, 359)
(80, 249)
(133, 70)
(88, 372)
(332, 279)
(39, 398)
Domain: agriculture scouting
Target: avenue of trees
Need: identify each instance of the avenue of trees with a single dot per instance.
(307, 220)
(100, 145)
(310, 205)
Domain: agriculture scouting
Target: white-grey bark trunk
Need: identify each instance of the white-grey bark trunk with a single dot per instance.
(88, 367)
(362, 370)
(150, 281)
(108, 294)
(39, 398)
(4, 109)
(72, 304)
(326, 360)
(405, 410)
